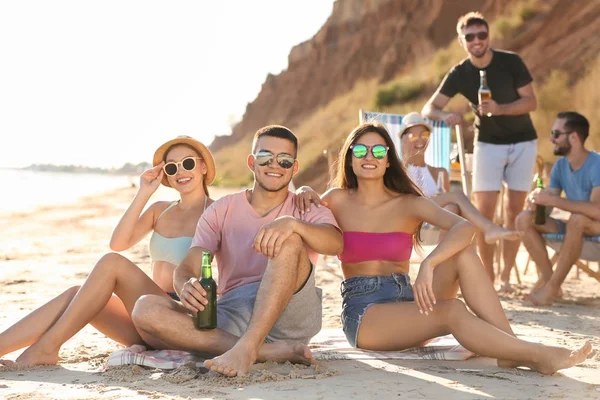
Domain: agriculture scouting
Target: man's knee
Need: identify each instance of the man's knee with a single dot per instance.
(577, 223)
(147, 312)
(524, 220)
(293, 243)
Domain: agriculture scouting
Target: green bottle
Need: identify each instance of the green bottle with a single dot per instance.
(540, 211)
(207, 318)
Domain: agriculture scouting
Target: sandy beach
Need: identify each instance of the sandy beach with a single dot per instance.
(47, 251)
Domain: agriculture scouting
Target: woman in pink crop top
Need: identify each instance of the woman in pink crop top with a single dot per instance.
(380, 210)
(107, 296)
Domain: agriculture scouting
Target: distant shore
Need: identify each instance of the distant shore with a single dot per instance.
(126, 169)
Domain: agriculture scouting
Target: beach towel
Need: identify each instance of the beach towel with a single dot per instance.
(329, 344)
(163, 359)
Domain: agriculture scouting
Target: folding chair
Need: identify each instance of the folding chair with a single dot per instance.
(589, 253)
(437, 154)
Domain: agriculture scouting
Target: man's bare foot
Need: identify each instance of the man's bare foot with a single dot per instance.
(236, 361)
(556, 358)
(499, 233)
(505, 287)
(37, 356)
(297, 353)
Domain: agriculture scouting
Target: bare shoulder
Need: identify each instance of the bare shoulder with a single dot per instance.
(159, 206)
(411, 200)
(334, 195)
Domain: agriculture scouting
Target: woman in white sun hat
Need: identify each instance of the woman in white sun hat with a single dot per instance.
(434, 182)
(108, 295)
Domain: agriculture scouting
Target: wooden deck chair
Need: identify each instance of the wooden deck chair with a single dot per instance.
(437, 154)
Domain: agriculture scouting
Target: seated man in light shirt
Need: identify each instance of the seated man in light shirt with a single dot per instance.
(268, 306)
(577, 173)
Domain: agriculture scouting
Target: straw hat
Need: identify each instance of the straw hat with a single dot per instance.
(159, 156)
(413, 119)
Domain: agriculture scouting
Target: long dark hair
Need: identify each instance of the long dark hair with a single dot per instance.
(395, 178)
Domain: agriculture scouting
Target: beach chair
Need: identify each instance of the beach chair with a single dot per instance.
(589, 253)
(437, 154)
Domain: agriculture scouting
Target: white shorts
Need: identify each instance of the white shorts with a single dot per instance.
(511, 163)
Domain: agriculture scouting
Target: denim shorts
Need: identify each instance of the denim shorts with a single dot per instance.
(360, 292)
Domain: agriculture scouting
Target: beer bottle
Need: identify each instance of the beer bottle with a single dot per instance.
(484, 92)
(540, 211)
(441, 183)
(207, 318)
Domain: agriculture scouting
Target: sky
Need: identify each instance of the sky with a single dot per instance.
(101, 83)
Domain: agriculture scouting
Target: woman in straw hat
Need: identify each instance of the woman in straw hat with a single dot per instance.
(108, 295)
(380, 210)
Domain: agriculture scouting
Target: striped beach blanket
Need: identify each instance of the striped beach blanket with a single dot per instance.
(163, 359)
(329, 344)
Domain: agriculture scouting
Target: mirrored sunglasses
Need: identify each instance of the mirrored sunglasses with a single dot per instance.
(284, 160)
(188, 164)
(469, 37)
(378, 151)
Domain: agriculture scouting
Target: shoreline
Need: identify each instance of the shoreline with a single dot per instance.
(46, 251)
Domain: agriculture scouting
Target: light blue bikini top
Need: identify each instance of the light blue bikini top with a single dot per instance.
(171, 250)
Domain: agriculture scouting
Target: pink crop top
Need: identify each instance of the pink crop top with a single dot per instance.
(371, 246)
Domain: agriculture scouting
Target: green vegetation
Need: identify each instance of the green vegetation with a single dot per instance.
(506, 26)
(398, 91)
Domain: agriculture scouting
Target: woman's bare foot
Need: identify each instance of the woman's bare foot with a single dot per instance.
(6, 363)
(236, 361)
(297, 353)
(556, 358)
(35, 355)
(499, 233)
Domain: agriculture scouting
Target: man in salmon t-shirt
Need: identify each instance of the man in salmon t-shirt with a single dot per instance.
(268, 306)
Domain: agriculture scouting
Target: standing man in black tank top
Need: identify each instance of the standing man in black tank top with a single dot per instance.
(505, 139)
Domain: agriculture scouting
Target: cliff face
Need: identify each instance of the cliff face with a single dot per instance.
(361, 39)
(378, 39)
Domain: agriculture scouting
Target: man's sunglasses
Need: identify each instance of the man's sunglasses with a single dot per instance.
(469, 37)
(379, 151)
(284, 160)
(188, 163)
(413, 137)
(556, 134)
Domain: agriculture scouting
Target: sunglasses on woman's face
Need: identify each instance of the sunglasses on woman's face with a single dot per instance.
(469, 37)
(188, 163)
(378, 151)
(284, 160)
